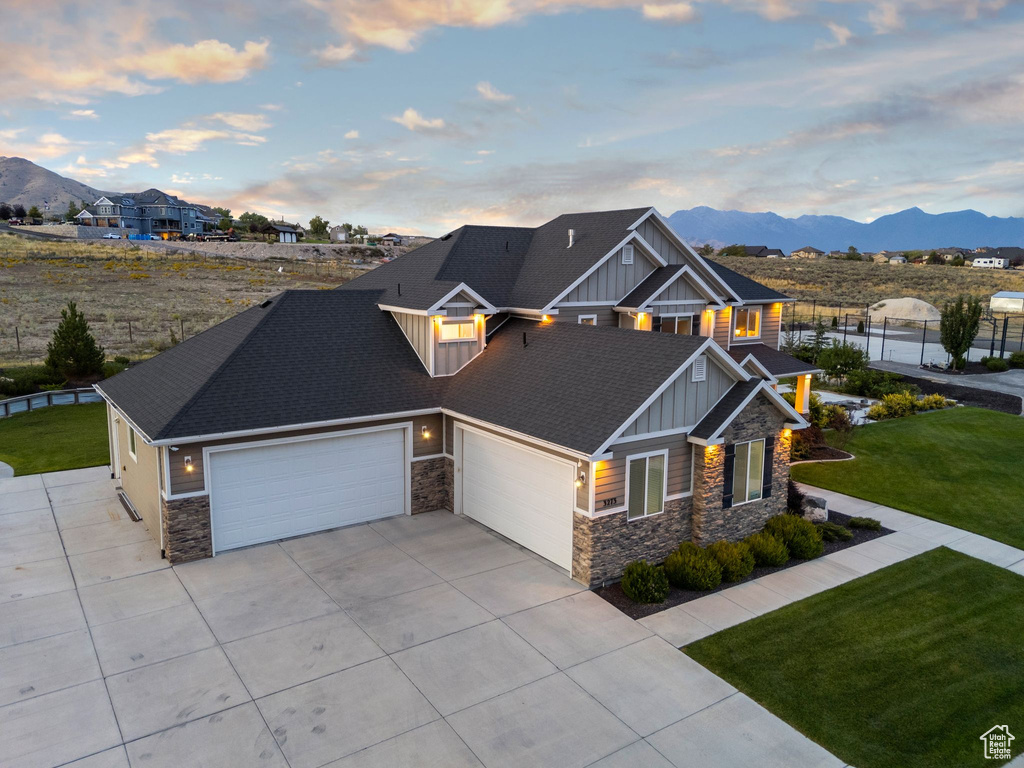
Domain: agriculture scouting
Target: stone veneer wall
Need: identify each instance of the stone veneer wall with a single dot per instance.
(449, 483)
(712, 523)
(430, 486)
(602, 546)
(186, 524)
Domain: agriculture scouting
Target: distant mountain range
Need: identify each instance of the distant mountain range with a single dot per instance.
(906, 230)
(22, 181)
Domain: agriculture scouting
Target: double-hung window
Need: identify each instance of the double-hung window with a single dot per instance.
(681, 325)
(645, 490)
(464, 331)
(748, 323)
(748, 471)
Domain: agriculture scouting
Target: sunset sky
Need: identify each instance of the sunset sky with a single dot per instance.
(423, 115)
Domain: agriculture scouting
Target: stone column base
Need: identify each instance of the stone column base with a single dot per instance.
(186, 528)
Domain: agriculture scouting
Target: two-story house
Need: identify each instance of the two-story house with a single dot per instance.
(150, 213)
(591, 389)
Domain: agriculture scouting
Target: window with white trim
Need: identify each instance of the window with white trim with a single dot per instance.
(627, 254)
(682, 325)
(587, 320)
(645, 485)
(748, 323)
(131, 444)
(464, 331)
(748, 471)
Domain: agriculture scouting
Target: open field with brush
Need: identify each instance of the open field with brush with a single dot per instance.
(152, 293)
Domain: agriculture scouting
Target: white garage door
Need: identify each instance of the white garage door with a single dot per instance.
(272, 492)
(522, 494)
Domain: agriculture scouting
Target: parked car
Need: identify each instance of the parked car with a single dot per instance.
(155, 237)
(111, 236)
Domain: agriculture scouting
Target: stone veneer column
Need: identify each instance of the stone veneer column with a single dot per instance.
(712, 523)
(186, 527)
(429, 485)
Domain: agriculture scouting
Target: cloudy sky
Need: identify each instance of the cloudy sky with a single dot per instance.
(421, 115)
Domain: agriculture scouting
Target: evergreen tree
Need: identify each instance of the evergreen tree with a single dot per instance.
(959, 326)
(73, 210)
(34, 213)
(19, 211)
(73, 352)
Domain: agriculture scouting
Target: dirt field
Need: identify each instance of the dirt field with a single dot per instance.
(135, 299)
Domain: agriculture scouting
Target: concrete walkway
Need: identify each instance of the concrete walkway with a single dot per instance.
(691, 621)
(410, 641)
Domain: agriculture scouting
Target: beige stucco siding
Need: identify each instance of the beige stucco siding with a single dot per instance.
(195, 481)
(685, 402)
(140, 477)
(610, 474)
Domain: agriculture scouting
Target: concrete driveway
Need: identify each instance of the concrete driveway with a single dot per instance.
(422, 640)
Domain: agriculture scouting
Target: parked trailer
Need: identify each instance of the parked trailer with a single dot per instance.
(1007, 301)
(991, 262)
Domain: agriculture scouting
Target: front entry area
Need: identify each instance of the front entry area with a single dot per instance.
(275, 490)
(521, 493)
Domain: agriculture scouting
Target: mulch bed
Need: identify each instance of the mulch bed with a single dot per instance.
(614, 594)
(826, 453)
(980, 398)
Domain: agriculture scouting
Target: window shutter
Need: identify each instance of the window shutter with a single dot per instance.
(769, 452)
(730, 461)
(627, 254)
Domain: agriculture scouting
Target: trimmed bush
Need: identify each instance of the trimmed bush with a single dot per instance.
(997, 365)
(893, 406)
(794, 496)
(801, 537)
(834, 532)
(735, 558)
(934, 402)
(1017, 359)
(645, 583)
(868, 523)
(691, 567)
(769, 550)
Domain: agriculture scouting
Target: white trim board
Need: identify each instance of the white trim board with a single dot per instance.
(779, 401)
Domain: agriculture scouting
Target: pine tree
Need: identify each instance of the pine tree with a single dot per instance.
(73, 352)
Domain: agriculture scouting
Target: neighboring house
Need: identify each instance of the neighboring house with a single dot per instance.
(898, 259)
(391, 239)
(1013, 254)
(764, 252)
(591, 389)
(807, 252)
(150, 213)
(338, 234)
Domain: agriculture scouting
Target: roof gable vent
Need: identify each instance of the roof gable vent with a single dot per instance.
(700, 368)
(627, 254)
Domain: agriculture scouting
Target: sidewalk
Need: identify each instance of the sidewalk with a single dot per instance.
(691, 621)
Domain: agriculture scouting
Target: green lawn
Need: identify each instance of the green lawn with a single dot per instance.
(961, 466)
(903, 668)
(54, 438)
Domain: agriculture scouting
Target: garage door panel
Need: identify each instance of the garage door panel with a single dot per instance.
(270, 492)
(520, 493)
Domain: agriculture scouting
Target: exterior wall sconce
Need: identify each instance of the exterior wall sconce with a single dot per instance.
(425, 432)
(188, 464)
(546, 319)
(581, 480)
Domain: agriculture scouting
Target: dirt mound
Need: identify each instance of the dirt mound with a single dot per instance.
(903, 309)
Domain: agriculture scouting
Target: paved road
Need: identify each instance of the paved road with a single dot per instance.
(1009, 382)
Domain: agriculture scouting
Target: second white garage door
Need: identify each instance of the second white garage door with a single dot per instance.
(270, 492)
(520, 493)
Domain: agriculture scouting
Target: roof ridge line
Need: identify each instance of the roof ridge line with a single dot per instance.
(275, 304)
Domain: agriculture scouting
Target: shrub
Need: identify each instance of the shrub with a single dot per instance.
(997, 365)
(860, 326)
(893, 406)
(1017, 359)
(801, 537)
(691, 567)
(834, 532)
(876, 384)
(868, 523)
(839, 360)
(815, 408)
(111, 369)
(735, 558)
(804, 441)
(934, 402)
(645, 583)
(768, 549)
(835, 322)
(27, 380)
(122, 360)
(794, 497)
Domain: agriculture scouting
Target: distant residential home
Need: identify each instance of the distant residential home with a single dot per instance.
(1013, 254)
(948, 254)
(338, 234)
(763, 252)
(286, 233)
(150, 213)
(391, 239)
(807, 252)
(898, 259)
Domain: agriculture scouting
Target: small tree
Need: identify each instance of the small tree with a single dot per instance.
(73, 210)
(958, 261)
(34, 213)
(935, 258)
(707, 250)
(839, 360)
(959, 326)
(318, 227)
(5, 211)
(19, 211)
(820, 340)
(73, 352)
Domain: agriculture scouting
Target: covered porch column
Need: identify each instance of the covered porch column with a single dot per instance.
(803, 393)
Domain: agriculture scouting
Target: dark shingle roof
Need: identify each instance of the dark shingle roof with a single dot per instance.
(649, 285)
(546, 392)
(308, 356)
(778, 363)
(745, 288)
(718, 415)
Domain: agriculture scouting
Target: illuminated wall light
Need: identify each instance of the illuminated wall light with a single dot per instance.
(188, 464)
(787, 432)
(546, 319)
(425, 432)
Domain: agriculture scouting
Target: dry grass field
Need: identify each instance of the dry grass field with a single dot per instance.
(856, 284)
(156, 293)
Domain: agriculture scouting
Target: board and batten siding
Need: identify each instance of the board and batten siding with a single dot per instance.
(606, 316)
(771, 317)
(651, 232)
(450, 356)
(685, 402)
(417, 330)
(613, 279)
(682, 289)
(195, 481)
(609, 475)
